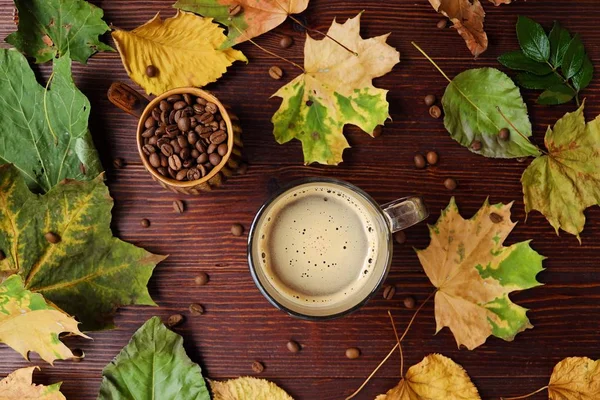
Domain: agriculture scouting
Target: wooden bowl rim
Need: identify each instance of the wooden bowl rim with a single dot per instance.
(198, 93)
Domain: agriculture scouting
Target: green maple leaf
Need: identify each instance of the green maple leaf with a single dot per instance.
(89, 273)
(153, 365)
(44, 132)
(48, 28)
(566, 181)
(336, 89)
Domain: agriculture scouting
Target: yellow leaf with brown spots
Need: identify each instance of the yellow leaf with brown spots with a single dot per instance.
(18, 385)
(575, 378)
(246, 388)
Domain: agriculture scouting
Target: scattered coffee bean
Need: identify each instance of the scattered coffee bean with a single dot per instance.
(352, 353)
(242, 169)
(52, 237)
(78, 355)
(388, 292)
(475, 145)
(293, 346)
(145, 222)
(174, 320)
(450, 184)
(496, 218)
(201, 279)
(442, 23)
(286, 41)
(378, 130)
(420, 161)
(258, 367)
(196, 309)
(178, 206)
(429, 100)
(409, 302)
(237, 230)
(151, 71)
(435, 112)
(118, 163)
(432, 157)
(400, 237)
(275, 72)
(235, 9)
(2, 255)
(504, 134)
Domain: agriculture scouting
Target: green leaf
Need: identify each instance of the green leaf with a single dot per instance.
(45, 132)
(153, 366)
(559, 42)
(582, 79)
(471, 103)
(573, 60)
(562, 184)
(88, 273)
(532, 39)
(530, 81)
(557, 94)
(48, 28)
(519, 61)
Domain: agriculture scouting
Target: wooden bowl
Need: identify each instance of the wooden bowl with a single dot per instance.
(229, 163)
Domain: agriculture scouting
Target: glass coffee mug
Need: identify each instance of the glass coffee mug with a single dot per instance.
(320, 248)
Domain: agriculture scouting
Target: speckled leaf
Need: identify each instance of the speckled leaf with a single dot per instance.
(45, 132)
(435, 378)
(575, 378)
(562, 184)
(184, 49)
(153, 366)
(18, 385)
(336, 89)
(247, 388)
(28, 323)
(256, 17)
(89, 273)
(474, 274)
(50, 28)
(471, 103)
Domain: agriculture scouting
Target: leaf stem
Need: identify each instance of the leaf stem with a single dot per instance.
(399, 345)
(519, 132)
(431, 61)
(524, 396)
(565, 81)
(46, 109)
(322, 33)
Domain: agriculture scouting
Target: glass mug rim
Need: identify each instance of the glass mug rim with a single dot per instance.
(381, 215)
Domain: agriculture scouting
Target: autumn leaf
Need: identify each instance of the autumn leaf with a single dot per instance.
(566, 181)
(45, 132)
(88, 273)
(467, 18)
(336, 89)
(183, 48)
(51, 28)
(575, 378)
(153, 365)
(245, 388)
(254, 18)
(436, 377)
(28, 323)
(18, 385)
(474, 274)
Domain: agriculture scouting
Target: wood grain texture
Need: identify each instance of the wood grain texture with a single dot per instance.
(239, 325)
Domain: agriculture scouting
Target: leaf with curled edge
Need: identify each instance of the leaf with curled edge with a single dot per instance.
(18, 385)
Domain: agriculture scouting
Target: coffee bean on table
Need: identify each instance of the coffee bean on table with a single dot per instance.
(420, 161)
(118, 163)
(237, 230)
(352, 353)
(145, 222)
(504, 134)
(154, 160)
(151, 71)
(196, 309)
(174, 320)
(201, 279)
(442, 23)
(286, 41)
(409, 302)
(432, 157)
(258, 367)
(429, 100)
(275, 72)
(388, 292)
(293, 346)
(52, 237)
(450, 184)
(400, 237)
(475, 145)
(178, 206)
(435, 112)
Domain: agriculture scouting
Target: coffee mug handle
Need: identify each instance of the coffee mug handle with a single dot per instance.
(404, 213)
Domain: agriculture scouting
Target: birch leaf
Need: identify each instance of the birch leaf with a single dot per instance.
(247, 388)
(575, 378)
(18, 385)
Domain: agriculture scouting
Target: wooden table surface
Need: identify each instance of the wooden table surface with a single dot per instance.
(239, 325)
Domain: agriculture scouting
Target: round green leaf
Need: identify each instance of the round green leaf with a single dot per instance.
(557, 94)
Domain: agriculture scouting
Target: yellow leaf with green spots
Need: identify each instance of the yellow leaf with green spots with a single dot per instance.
(247, 388)
(18, 385)
(28, 323)
(335, 89)
(474, 274)
(566, 181)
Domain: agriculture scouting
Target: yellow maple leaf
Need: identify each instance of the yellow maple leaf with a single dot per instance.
(435, 378)
(575, 378)
(18, 386)
(246, 388)
(184, 49)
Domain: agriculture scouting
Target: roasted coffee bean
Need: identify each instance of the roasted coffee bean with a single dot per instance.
(145, 222)
(156, 114)
(400, 237)
(153, 140)
(173, 98)
(203, 130)
(193, 174)
(377, 131)
(188, 163)
(2, 255)
(175, 162)
(201, 100)
(475, 145)
(198, 109)
(211, 108)
(200, 146)
(172, 172)
(194, 153)
(78, 355)
(174, 320)
(432, 157)
(167, 150)
(435, 112)
(178, 206)
(193, 123)
(496, 218)
(235, 9)
(202, 169)
(165, 105)
(420, 161)
(214, 159)
(52, 237)
(202, 158)
(160, 130)
(286, 41)
(208, 166)
(165, 117)
(176, 146)
(164, 160)
(196, 309)
(172, 130)
(211, 148)
(442, 23)
(187, 98)
(222, 149)
(149, 132)
(154, 160)
(258, 367)
(151, 71)
(187, 112)
(214, 125)
(218, 137)
(223, 125)
(173, 115)
(150, 122)
(219, 117)
(409, 302)
(293, 346)
(352, 353)
(148, 149)
(182, 141)
(163, 171)
(184, 153)
(192, 138)
(504, 134)
(181, 174)
(161, 141)
(201, 279)
(237, 229)
(388, 292)
(206, 118)
(429, 100)
(118, 163)
(450, 184)
(275, 72)
(178, 105)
